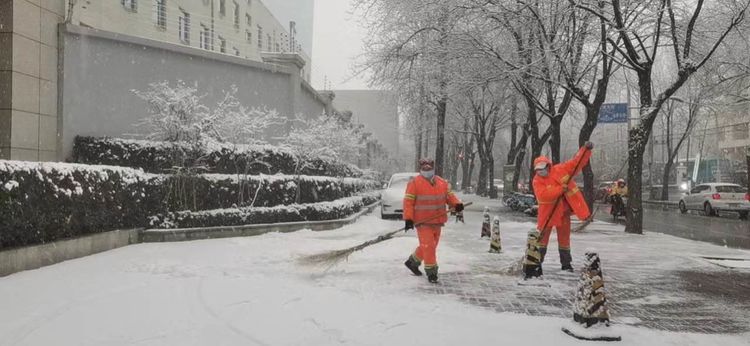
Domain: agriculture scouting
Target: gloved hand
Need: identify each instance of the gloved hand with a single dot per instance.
(589, 145)
(408, 224)
(459, 207)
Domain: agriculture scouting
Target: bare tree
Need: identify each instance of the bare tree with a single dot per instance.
(640, 29)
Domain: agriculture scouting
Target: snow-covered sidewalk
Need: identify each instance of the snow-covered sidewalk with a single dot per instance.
(250, 291)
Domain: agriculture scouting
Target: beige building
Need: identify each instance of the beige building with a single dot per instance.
(70, 70)
(243, 28)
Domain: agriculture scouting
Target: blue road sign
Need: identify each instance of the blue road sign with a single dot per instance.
(611, 113)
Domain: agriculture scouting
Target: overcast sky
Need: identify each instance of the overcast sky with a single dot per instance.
(337, 41)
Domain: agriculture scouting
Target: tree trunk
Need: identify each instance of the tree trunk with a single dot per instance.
(637, 140)
(517, 172)
(440, 136)
(555, 139)
(665, 179)
(471, 168)
(592, 118)
(468, 147)
(418, 144)
(491, 177)
(482, 180)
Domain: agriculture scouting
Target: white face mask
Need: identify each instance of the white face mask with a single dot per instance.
(542, 172)
(427, 174)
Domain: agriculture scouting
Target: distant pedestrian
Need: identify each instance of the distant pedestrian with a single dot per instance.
(425, 199)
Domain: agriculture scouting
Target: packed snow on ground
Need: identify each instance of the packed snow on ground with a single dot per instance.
(251, 291)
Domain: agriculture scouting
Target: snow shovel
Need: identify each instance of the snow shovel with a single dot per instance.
(330, 258)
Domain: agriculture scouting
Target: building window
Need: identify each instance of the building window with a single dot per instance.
(236, 51)
(268, 42)
(260, 38)
(130, 5)
(249, 20)
(236, 15)
(205, 39)
(249, 36)
(184, 27)
(223, 7)
(161, 13)
(222, 44)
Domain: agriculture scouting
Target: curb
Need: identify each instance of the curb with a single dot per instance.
(662, 205)
(36, 256)
(198, 233)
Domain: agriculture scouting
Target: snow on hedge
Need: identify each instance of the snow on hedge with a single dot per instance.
(225, 158)
(41, 202)
(333, 210)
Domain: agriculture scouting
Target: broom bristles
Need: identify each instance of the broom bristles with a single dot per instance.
(328, 258)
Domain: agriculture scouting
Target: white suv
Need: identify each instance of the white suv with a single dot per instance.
(715, 197)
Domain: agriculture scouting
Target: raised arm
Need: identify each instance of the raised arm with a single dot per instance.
(576, 164)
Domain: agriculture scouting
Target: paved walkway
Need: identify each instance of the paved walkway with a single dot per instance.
(652, 280)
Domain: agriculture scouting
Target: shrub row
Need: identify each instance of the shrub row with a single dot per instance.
(42, 202)
(216, 191)
(338, 209)
(46, 202)
(160, 157)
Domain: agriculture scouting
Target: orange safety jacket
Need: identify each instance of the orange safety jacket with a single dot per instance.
(426, 198)
(548, 189)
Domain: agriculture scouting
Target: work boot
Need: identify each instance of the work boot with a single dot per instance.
(413, 265)
(432, 276)
(565, 259)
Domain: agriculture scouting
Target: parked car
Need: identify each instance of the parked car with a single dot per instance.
(713, 198)
(603, 189)
(392, 198)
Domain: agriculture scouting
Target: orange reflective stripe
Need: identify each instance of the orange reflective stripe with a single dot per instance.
(430, 198)
(573, 192)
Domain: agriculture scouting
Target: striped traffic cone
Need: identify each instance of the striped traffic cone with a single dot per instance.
(486, 223)
(495, 245)
(590, 312)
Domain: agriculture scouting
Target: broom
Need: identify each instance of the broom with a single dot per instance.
(516, 268)
(331, 258)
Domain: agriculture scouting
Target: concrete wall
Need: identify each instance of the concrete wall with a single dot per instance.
(377, 110)
(36, 256)
(101, 68)
(28, 78)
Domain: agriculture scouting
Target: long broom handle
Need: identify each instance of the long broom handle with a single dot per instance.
(421, 222)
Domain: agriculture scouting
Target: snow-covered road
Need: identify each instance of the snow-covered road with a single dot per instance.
(250, 291)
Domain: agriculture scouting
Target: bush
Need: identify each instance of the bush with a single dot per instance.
(338, 209)
(216, 191)
(160, 157)
(42, 202)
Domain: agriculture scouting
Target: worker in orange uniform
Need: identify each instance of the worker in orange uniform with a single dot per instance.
(553, 185)
(425, 200)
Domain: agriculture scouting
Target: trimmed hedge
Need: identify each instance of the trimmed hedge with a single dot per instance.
(216, 191)
(260, 215)
(46, 202)
(157, 157)
(42, 202)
